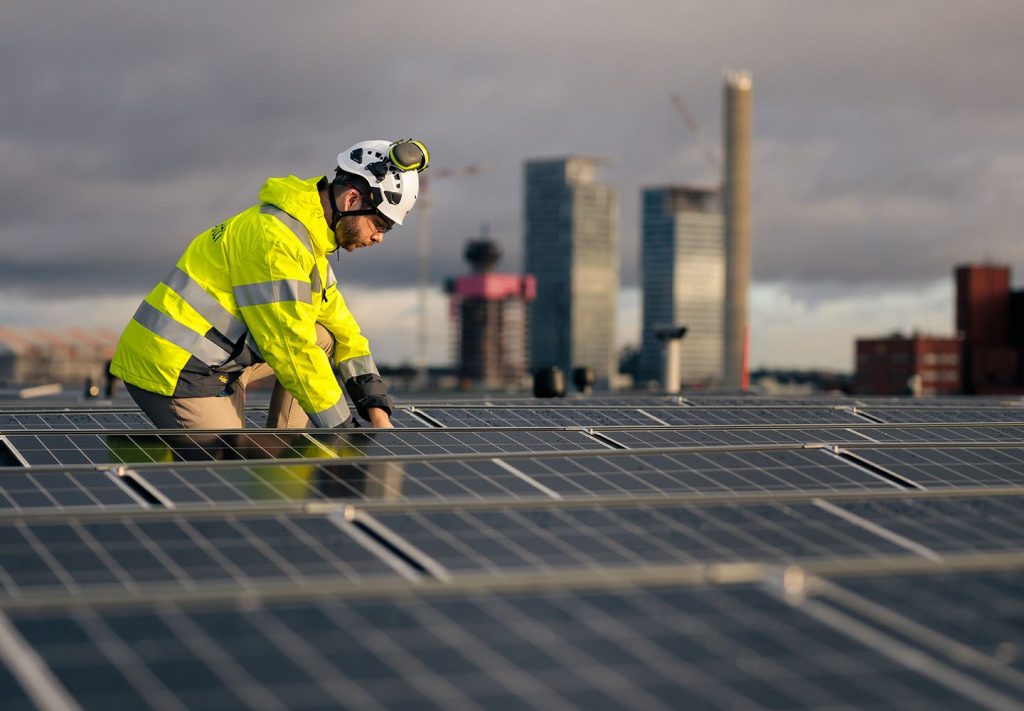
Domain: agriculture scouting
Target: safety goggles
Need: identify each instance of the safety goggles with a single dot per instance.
(408, 154)
(381, 223)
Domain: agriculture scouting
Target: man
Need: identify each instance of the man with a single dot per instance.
(255, 296)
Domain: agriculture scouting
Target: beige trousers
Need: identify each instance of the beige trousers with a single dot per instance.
(228, 411)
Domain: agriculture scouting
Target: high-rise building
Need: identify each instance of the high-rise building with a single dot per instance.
(572, 249)
(490, 310)
(683, 271)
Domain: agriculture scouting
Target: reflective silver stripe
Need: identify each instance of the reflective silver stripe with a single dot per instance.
(180, 335)
(205, 305)
(331, 279)
(271, 292)
(361, 365)
(291, 223)
(333, 416)
(314, 278)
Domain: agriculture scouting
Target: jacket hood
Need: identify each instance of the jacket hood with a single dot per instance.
(301, 199)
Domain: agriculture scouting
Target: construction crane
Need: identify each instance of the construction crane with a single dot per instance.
(423, 247)
(710, 154)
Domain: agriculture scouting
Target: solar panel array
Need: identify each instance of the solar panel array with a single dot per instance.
(654, 552)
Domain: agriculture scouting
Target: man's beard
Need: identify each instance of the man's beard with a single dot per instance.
(347, 234)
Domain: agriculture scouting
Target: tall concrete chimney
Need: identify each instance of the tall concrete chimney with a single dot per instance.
(737, 120)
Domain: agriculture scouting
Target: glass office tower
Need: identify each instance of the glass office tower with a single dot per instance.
(683, 271)
(572, 248)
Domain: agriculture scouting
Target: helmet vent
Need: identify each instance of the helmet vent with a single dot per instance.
(393, 197)
(357, 156)
(378, 169)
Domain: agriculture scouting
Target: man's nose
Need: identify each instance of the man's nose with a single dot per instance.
(377, 237)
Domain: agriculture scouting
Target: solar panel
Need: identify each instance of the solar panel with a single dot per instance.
(11, 693)
(80, 420)
(618, 473)
(133, 419)
(80, 448)
(765, 401)
(942, 435)
(37, 491)
(636, 416)
(454, 563)
(256, 484)
(532, 402)
(949, 525)
(980, 611)
(941, 415)
(631, 648)
(757, 416)
(130, 554)
(514, 539)
(642, 439)
(452, 442)
(486, 417)
(76, 448)
(958, 467)
(735, 472)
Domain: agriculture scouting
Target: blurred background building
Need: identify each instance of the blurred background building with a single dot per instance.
(915, 365)
(990, 321)
(683, 272)
(490, 322)
(572, 249)
(35, 356)
(986, 353)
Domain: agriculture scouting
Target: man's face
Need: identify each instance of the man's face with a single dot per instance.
(361, 230)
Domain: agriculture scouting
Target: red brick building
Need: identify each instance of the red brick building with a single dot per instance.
(898, 365)
(989, 321)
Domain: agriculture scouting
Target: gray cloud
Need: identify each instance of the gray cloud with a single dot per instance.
(888, 137)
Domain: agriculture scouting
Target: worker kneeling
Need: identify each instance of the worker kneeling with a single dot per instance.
(255, 296)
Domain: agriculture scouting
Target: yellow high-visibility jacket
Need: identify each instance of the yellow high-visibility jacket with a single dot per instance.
(252, 289)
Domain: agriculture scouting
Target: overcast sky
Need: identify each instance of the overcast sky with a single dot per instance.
(888, 141)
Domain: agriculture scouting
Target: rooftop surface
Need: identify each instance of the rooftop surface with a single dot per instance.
(654, 552)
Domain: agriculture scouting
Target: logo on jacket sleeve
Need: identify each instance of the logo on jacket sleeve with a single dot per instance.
(218, 231)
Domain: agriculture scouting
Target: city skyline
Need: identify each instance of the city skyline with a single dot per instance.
(883, 155)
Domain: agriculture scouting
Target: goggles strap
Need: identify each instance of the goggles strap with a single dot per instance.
(360, 211)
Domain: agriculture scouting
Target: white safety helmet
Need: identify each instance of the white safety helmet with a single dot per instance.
(391, 168)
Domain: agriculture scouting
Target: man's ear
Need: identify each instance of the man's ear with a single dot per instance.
(350, 198)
